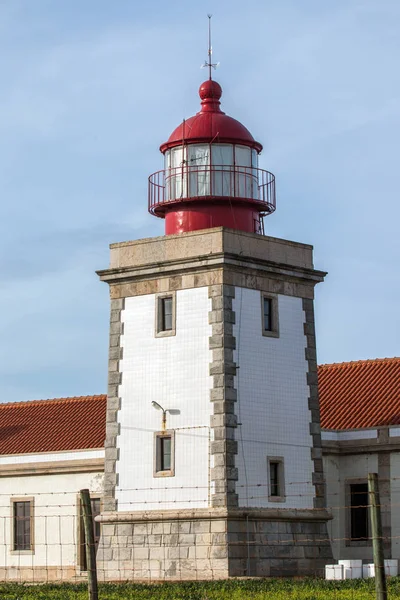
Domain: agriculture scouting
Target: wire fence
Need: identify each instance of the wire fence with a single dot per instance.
(42, 537)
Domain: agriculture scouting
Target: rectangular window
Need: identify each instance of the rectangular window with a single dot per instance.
(359, 527)
(22, 515)
(269, 315)
(276, 483)
(164, 454)
(274, 478)
(96, 510)
(165, 314)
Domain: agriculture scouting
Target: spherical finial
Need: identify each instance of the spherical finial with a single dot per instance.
(210, 89)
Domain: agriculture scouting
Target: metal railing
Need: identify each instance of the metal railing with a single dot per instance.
(199, 182)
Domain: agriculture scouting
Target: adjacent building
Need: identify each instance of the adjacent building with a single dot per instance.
(49, 450)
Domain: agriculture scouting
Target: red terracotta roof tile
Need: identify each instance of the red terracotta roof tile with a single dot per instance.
(352, 395)
(53, 425)
(360, 394)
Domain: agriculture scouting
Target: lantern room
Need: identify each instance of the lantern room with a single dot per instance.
(211, 176)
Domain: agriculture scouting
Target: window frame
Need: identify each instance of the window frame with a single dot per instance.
(13, 501)
(274, 331)
(80, 537)
(349, 541)
(281, 497)
(158, 436)
(159, 316)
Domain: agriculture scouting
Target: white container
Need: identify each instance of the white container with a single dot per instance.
(334, 572)
(368, 570)
(391, 567)
(352, 569)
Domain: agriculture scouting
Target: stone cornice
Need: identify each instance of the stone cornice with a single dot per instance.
(86, 465)
(265, 514)
(359, 446)
(207, 262)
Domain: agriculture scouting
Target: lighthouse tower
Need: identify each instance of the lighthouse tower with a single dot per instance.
(213, 451)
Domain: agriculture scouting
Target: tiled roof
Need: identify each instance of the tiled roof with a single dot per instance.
(360, 394)
(352, 395)
(53, 425)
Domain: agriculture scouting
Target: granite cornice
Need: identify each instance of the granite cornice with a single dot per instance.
(366, 446)
(208, 262)
(272, 514)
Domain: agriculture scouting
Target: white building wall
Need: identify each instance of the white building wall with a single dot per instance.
(349, 435)
(272, 402)
(339, 472)
(395, 502)
(334, 500)
(173, 371)
(55, 515)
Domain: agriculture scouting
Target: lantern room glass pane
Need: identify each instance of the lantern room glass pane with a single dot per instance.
(246, 183)
(222, 171)
(175, 179)
(198, 160)
(243, 156)
(222, 154)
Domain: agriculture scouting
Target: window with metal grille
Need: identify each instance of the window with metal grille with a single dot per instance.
(22, 525)
(359, 526)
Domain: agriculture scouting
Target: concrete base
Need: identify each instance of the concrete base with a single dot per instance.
(42, 574)
(213, 544)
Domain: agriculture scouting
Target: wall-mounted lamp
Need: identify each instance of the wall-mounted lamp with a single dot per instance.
(171, 411)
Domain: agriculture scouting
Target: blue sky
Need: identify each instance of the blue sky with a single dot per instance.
(88, 91)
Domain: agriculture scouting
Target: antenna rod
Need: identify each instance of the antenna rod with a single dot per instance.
(208, 63)
(209, 47)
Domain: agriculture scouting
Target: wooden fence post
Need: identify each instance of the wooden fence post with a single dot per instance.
(377, 538)
(90, 547)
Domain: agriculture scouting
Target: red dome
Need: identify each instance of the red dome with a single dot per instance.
(211, 124)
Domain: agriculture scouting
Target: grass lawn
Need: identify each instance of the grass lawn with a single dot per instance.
(256, 589)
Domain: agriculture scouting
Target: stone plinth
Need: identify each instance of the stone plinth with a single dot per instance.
(213, 544)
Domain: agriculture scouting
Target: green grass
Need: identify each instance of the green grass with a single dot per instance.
(252, 589)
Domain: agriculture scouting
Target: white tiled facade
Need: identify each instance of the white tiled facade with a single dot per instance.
(173, 371)
(272, 402)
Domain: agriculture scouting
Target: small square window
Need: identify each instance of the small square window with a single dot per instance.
(22, 525)
(276, 479)
(269, 315)
(165, 315)
(164, 449)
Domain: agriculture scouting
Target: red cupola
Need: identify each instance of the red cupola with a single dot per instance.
(211, 176)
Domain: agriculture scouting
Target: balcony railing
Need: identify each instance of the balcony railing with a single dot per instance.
(215, 182)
